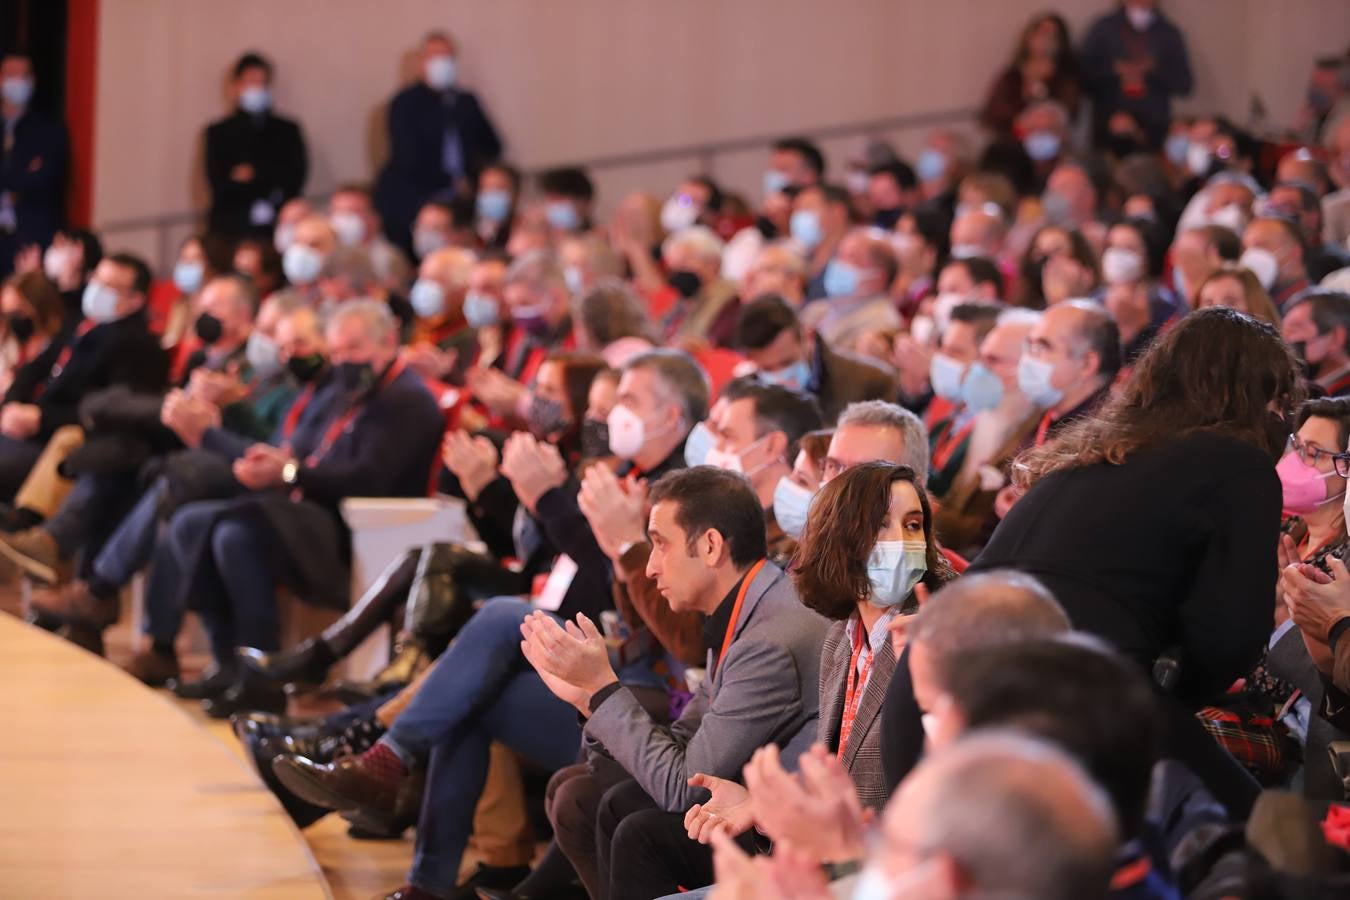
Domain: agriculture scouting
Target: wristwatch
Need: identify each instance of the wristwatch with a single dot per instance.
(290, 472)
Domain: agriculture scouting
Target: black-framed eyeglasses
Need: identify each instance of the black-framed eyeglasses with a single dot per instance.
(1312, 455)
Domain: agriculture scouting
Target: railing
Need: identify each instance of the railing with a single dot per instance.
(704, 155)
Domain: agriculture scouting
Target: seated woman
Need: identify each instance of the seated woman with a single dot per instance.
(867, 546)
(1059, 264)
(792, 498)
(1154, 520)
(36, 330)
(1237, 288)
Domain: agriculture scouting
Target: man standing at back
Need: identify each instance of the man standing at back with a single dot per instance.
(761, 687)
(439, 139)
(34, 150)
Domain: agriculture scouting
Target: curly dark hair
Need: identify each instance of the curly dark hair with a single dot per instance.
(1218, 371)
(830, 565)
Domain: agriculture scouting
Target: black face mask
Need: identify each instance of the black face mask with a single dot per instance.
(885, 219)
(355, 377)
(209, 328)
(21, 326)
(1123, 145)
(685, 282)
(305, 369)
(594, 438)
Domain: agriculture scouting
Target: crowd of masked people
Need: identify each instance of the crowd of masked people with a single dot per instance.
(965, 529)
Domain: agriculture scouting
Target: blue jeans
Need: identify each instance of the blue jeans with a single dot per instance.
(479, 691)
(131, 546)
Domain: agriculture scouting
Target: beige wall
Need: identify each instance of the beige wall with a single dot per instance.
(575, 79)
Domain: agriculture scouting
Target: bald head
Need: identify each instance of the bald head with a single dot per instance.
(450, 268)
(999, 814)
(980, 229)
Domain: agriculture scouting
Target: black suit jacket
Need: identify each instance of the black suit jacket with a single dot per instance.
(122, 352)
(273, 146)
(418, 119)
(34, 171)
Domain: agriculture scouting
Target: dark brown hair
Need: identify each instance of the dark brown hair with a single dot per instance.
(817, 446)
(710, 499)
(42, 295)
(1218, 371)
(1030, 290)
(830, 565)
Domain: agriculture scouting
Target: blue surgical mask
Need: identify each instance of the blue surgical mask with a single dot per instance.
(480, 310)
(1056, 207)
(945, 375)
(894, 567)
(981, 389)
(493, 206)
(187, 276)
(1179, 285)
(1042, 146)
(574, 278)
(440, 72)
(966, 251)
(255, 100)
(1033, 379)
(804, 226)
(562, 215)
(841, 279)
(302, 264)
(794, 377)
(791, 504)
(99, 303)
(427, 298)
(697, 445)
(1175, 147)
(775, 182)
(17, 91)
(427, 241)
(931, 165)
(263, 355)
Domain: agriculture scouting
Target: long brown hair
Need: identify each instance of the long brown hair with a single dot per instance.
(1218, 370)
(830, 565)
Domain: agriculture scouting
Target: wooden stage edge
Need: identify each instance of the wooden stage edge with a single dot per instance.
(110, 789)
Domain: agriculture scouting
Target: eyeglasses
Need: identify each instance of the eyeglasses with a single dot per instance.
(1313, 455)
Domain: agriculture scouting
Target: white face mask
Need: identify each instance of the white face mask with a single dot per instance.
(440, 72)
(1198, 158)
(732, 461)
(791, 505)
(263, 355)
(1232, 217)
(875, 884)
(302, 264)
(349, 227)
(1121, 265)
(427, 298)
(99, 303)
(1140, 17)
(966, 251)
(942, 309)
(627, 432)
(1261, 263)
(56, 260)
(678, 213)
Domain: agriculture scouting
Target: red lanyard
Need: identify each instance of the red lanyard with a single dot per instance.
(949, 443)
(856, 684)
(339, 425)
(736, 609)
(85, 327)
(1043, 428)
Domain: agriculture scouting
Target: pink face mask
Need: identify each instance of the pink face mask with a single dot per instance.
(1305, 488)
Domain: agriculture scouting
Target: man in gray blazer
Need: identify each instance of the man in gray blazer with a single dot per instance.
(708, 547)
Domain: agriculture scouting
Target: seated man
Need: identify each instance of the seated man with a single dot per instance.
(112, 346)
(370, 429)
(771, 337)
(761, 687)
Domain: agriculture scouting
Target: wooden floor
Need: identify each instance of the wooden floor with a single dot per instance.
(110, 789)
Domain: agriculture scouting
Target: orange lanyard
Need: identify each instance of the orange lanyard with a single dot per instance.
(1044, 427)
(736, 609)
(854, 687)
(949, 443)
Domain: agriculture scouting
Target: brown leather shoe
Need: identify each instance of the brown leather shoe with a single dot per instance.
(84, 636)
(74, 602)
(346, 785)
(152, 668)
(35, 552)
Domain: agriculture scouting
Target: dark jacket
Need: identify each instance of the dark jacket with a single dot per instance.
(1174, 548)
(122, 352)
(34, 171)
(1112, 39)
(274, 147)
(840, 378)
(386, 450)
(419, 118)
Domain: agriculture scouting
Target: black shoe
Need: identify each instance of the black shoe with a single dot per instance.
(84, 636)
(261, 751)
(307, 663)
(489, 877)
(257, 725)
(214, 682)
(12, 520)
(244, 697)
(570, 892)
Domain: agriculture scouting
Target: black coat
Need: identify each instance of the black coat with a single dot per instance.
(1175, 548)
(418, 120)
(122, 352)
(34, 170)
(274, 147)
(387, 450)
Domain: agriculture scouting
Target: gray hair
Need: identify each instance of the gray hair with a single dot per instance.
(913, 434)
(374, 316)
(700, 238)
(1019, 817)
(353, 264)
(683, 377)
(1025, 318)
(987, 609)
(539, 269)
(245, 292)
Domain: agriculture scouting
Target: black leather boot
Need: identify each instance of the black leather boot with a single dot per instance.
(309, 661)
(450, 581)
